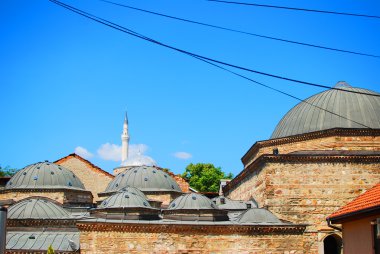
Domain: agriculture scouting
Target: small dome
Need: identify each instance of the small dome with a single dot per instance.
(125, 199)
(130, 189)
(229, 204)
(37, 208)
(304, 117)
(44, 175)
(258, 215)
(192, 201)
(145, 178)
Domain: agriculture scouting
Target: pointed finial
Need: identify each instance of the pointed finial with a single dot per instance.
(126, 117)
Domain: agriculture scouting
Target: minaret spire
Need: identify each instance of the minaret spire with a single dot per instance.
(124, 140)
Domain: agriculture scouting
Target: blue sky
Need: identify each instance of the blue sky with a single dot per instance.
(66, 81)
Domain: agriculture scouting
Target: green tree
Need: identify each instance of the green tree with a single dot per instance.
(7, 171)
(204, 177)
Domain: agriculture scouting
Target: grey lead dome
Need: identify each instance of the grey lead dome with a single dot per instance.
(359, 108)
(37, 208)
(44, 175)
(145, 178)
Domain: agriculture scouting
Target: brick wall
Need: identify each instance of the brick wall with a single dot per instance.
(361, 143)
(307, 192)
(93, 179)
(134, 242)
(16, 196)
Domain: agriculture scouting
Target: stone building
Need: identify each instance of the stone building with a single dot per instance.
(322, 154)
(36, 223)
(315, 161)
(93, 178)
(46, 179)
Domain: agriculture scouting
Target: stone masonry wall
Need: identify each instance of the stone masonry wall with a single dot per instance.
(368, 143)
(16, 196)
(133, 242)
(307, 192)
(93, 179)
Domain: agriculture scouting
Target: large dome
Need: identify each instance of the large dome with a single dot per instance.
(358, 110)
(145, 178)
(44, 175)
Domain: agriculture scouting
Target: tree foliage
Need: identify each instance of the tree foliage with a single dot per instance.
(7, 171)
(204, 177)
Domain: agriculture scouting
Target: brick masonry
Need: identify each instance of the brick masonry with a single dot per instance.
(185, 241)
(308, 190)
(93, 178)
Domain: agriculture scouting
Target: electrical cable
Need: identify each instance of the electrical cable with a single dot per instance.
(297, 9)
(242, 32)
(121, 28)
(135, 34)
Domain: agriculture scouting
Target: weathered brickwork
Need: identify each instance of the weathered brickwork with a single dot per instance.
(135, 242)
(16, 196)
(349, 143)
(65, 197)
(93, 178)
(307, 188)
(165, 198)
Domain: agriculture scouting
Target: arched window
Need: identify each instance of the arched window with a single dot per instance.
(332, 244)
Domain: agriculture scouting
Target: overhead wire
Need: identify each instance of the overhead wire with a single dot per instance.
(240, 31)
(131, 32)
(297, 9)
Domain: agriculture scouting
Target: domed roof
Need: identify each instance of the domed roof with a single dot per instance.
(192, 201)
(359, 108)
(37, 208)
(124, 199)
(145, 178)
(229, 204)
(130, 189)
(258, 215)
(44, 175)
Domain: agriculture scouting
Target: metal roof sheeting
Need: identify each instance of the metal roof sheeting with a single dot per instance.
(45, 175)
(145, 178)
(36, 208)
(305, 118)
(40, 241)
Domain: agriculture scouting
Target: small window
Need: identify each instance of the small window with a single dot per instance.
(52, 173)
(69, 184)
(126, 196)
(35, 178)
(145, 179)
(249, 206)
(24, 173)
(222, 200)
(194, 197)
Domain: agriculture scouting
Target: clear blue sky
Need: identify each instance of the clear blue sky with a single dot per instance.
(66, 81)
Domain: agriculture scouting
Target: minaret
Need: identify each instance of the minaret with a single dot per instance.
(124, 140)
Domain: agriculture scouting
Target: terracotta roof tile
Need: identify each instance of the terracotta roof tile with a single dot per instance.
(369, 199)
(92, 166)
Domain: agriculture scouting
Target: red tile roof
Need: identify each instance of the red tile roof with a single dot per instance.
(367, 201)
(92, 166)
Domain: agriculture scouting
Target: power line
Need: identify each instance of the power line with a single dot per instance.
(239, 31)
(135, 34)
(297, 9)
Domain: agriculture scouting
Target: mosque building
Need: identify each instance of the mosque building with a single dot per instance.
(322, 154)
